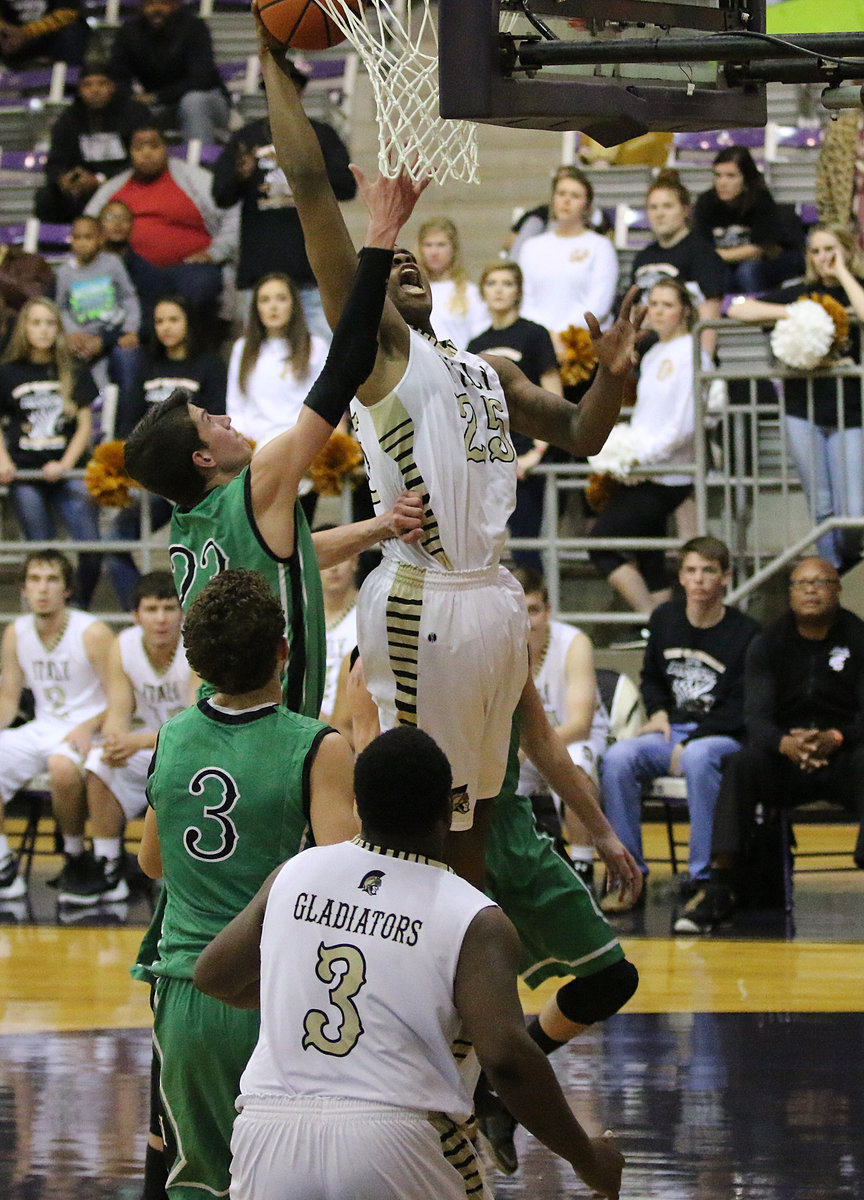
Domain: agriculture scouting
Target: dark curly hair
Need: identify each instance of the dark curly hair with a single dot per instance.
(233, 631)
(402, 783)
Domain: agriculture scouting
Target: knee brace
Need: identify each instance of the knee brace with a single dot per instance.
(596, 997)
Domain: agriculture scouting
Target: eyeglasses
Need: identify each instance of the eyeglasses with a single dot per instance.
(823, 585)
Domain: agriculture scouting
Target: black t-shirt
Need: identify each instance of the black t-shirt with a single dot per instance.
(36, 429)
(727, 226)
(529, 346)
(204, 375)
(693, 260)
(824, 389)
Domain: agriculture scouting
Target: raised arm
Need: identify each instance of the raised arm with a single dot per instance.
(580, 429)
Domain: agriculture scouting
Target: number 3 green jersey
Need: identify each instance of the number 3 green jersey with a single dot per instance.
(220, 533)
(231, 796)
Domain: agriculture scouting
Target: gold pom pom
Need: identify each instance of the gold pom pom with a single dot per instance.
(580, 357)
(838, 315)
(599, 490)
(105, 476)
(338, 459)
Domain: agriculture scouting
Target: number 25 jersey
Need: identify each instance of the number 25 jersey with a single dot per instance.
(443, 432)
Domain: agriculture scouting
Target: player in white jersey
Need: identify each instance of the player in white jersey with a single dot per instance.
(562, 664)
(339, 587)
(441, 627)
(61, 655)
(377, 970)
(149, 680)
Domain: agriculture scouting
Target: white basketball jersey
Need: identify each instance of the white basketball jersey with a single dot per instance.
(444, 431)
(551, 684)
(358, 958)
(157, 696)
(341, 640)
(65, 687)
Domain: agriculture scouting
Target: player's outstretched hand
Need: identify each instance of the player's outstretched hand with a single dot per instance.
(390, 201)
(616, 348)
(622, 873)
(267, 43)
(605, 1174)
(405, 519)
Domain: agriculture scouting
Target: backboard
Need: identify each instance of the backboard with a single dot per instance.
(487, 72)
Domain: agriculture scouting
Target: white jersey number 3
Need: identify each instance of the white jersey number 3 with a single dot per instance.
(344, 986)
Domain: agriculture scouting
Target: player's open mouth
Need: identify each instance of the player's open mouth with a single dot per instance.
(410, 280)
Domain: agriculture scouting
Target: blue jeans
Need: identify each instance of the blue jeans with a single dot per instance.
(313, 311)
(629, 764)
(37, 505)
(830, 469)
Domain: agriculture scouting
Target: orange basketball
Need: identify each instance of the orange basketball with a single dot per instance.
(302, 23)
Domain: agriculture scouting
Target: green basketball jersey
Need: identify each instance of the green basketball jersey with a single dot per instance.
(220, 532)
(231, 796)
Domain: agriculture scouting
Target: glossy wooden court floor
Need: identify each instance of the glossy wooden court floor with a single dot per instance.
(734, 1074)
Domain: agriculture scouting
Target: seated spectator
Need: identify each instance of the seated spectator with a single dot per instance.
(679, 252)
(804, 718)
(460, 313)
(760, 243)
(149, 282)
(173, 357)
(99, 308)
(22, 277)
(168, 52)
(45, 400)
(660, 431)
(271, 238)
(528, 345)
(570, 269)
(177, 227)
(693, 688)
(339, 585)
(50, 29)
(51, 643)
(148, 681)
(89, 143)
(828, 450)
(562, 666)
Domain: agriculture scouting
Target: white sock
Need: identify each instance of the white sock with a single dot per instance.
(582, 853)
(107, 848)
(73, 844)
(4, 846)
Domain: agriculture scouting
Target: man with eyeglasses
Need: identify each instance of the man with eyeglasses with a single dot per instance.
(804, 711)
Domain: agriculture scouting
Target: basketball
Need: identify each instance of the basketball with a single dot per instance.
(303, 24)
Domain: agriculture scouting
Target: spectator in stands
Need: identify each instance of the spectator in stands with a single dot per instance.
(62, 656)
(50, 29)
(89, 143)
(274, 365)
(167, 50)
(22, 277)
(693, 688)
(99, 308)
(177, 227)
(271, 238)
(760, 242)
(828, 450)
(460, 313)
(804, 716)
(660, 432)
(839, 179)
(562, 666)
(339, 586)
(570, 269)
(528, 345)
(45, 400)
(679, 252)
(150, 282)
(171, 357)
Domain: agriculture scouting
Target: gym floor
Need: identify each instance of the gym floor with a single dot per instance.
(733, 1074)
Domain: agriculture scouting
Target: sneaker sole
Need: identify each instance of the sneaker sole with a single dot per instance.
(119, 892)
(13, 890)
(684, 925)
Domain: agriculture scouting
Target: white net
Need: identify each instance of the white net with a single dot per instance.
(388, 36)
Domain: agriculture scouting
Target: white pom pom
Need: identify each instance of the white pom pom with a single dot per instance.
(804, 337)
(619, 455)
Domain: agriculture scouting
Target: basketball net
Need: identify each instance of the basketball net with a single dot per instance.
(404, 79)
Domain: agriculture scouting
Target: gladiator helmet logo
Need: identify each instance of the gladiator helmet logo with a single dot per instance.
(371, 882)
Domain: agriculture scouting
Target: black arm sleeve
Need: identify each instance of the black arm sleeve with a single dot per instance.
(355, 341)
